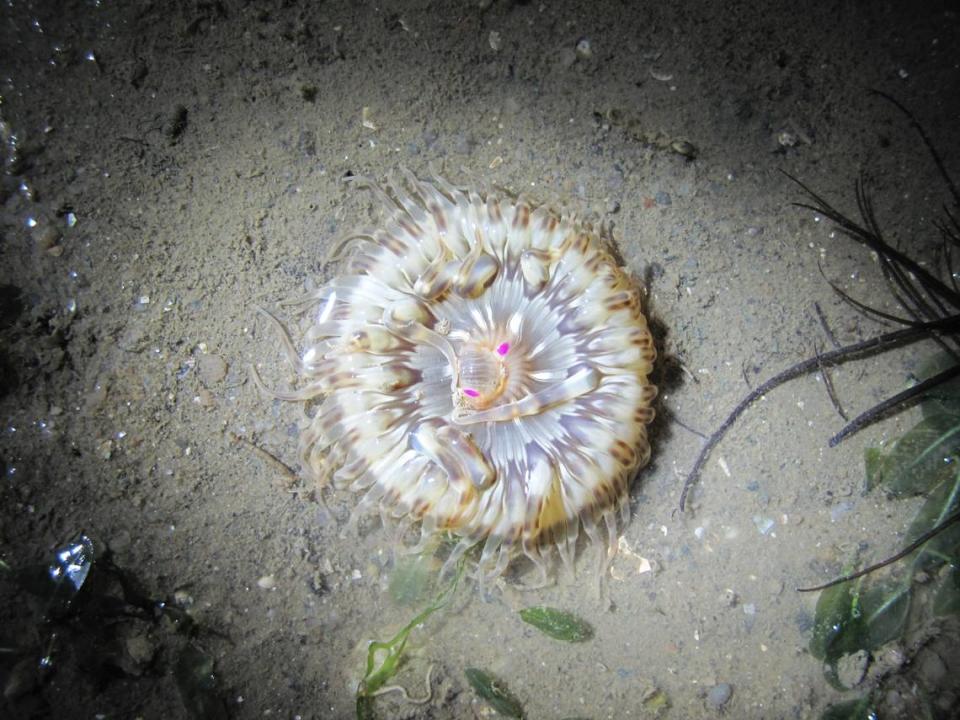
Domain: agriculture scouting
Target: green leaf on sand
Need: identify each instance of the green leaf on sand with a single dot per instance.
(940, 504)
(558, 624)
(947, 599)
(945, 398)
(494, 692)
(920, 459)
(850, 617)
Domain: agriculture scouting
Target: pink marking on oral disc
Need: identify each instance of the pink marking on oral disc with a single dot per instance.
(503, 349)
(470, 392)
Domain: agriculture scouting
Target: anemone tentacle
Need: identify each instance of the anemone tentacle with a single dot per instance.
(484, 366)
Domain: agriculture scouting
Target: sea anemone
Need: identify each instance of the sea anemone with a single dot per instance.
(479, 366)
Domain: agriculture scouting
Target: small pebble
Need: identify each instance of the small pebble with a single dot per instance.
(140, 649)
(212, 369)
(839, 510)
(267, 582)
(852, 668)
(584, 49)
(45, 237)
(729, 598)
(719, 695)
(787, 139)
(205, 398)
(687, 149)
(105, 449)
(764, 524)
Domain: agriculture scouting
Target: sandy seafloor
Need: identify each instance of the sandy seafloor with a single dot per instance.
(201, 148)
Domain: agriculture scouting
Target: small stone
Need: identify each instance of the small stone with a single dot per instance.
(764, 524)
(787, 139)
(105, 449)
(932, 668)
(839, 510)
(729, 598)
(894, 701)
(212, 369)
(851, 668)
(205, 399)
(267, 582)
(45, 237)
(946, 700)
(584, 49)
(656, 701)
(366, 118)
(687, 149)
(140, 649)
(719, 695)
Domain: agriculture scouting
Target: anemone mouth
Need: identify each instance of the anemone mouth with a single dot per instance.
(483, 373)
(483, 365)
